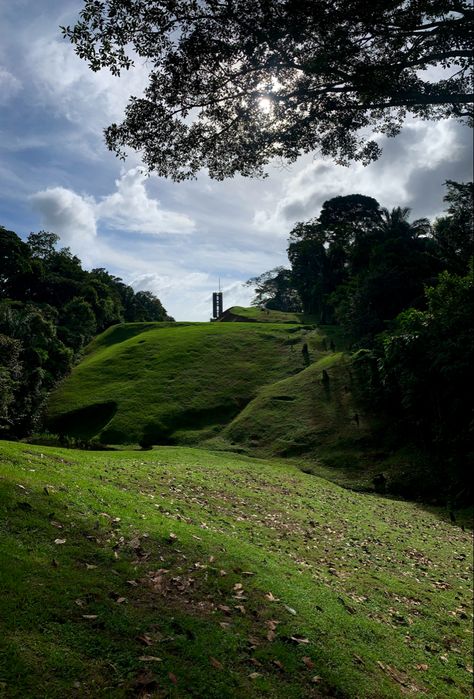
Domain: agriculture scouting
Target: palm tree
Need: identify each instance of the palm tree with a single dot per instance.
(395, 222)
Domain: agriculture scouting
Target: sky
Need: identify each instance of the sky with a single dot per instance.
(174, 239)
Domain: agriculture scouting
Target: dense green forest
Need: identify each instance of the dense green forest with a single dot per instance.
(403, 293)
(50, 307)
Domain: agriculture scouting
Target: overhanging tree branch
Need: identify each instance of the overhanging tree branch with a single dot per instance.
(328, 67)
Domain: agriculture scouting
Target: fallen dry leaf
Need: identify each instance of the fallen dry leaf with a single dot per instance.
(272, 624)
(308, 662)
(150, 659)
(89, 616)
(173, 677)
(60, 541)
(270, 596)
(216, 663)
(298, 639)
(255, 675)
(145, 639)
(422, 666)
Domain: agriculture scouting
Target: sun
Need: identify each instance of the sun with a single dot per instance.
(265, 105)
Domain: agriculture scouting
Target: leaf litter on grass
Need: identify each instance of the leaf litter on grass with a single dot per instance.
(398, 567)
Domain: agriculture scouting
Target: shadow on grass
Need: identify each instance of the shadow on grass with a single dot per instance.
(83, 423)
(93, 609)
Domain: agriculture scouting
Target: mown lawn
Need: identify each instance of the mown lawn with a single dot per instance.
(183, 573)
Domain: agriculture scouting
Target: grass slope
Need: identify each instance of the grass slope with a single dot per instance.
(312, 416)
(263, 315)
(181, 573)
(172, 381)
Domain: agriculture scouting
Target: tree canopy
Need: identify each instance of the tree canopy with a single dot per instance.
(50, 307)
(235, 83)
(402, 292)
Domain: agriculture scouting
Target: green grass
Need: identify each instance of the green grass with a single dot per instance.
(302, 413)
(261, 554)
(243, 387)
(172, 382)
(263, 315)
(312, 418)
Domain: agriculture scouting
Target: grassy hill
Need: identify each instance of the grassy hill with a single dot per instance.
(182, 573)
(178, 382)
(263, 389)
(306, 414)
(262, 315)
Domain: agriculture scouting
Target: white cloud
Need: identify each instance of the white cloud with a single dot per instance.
(417, 153)
(9, 86)
(66, 84)
(75, 217)
(188, 295)
(131, 208)
(69, 215)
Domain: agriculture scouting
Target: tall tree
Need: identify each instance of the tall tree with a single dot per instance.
(388, 272)
(454, 232)
(234, 83)
(323, 252)
(42, 244)
(275, 290)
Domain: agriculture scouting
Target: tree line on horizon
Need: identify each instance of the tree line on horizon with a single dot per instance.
(403, 293)
(50, 308)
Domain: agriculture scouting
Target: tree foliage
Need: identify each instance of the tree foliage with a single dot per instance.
(426, 369)
(234, 83)
(454, 232)
(403, 292)
(275, 290)
(50, 307)
(325, 251)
